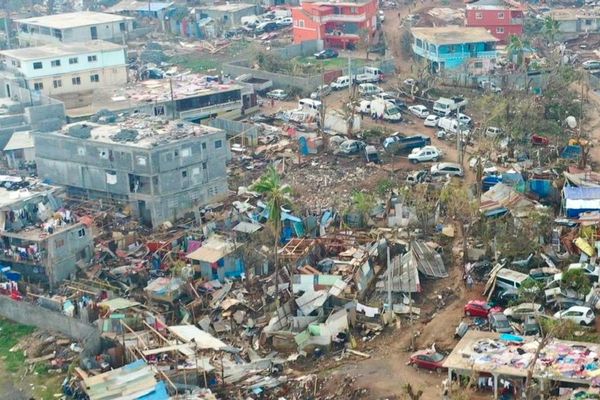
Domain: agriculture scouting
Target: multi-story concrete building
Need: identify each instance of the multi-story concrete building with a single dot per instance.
(187, 96)
(39, 237)
(503, 18)
(159, 169)
(576, 20)
(55, 69)
(338, 24)
(73, 27)
(471, 50)
(227, 15)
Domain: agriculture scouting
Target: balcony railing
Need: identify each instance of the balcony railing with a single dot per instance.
(452, 56)
(343, 18)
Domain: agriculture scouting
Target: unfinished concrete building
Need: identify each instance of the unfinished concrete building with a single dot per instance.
(40, 238)
(160, 169)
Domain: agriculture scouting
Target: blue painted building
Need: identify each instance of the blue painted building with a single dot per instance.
(470, 50)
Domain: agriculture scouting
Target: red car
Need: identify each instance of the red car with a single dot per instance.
(427, 359)
(479, 308)
(538, 140)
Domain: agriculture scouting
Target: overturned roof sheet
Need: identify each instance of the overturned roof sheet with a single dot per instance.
(203, 339)
(311, 301)
(119, 303)
(503, 196)
(429, 262)
(247, 227)
(133, 381)
(405, 275)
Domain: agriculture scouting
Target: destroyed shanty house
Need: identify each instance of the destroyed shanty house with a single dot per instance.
(159, 169)
(501, 198)
(216, 259)
(186, 96)
(42, 240)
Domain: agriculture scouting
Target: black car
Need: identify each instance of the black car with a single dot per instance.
(327, 53)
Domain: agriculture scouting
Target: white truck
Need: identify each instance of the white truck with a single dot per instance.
(385, 110)
(445, 106)
(341, 82)
(452, 125)
(368, 75)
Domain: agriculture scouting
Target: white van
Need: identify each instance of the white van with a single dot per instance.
(309, 105)
(374, 71)
(510, 280)
(341, 82)
(452, 125)
(368, 89)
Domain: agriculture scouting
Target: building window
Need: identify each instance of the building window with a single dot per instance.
(184, 174)
(38, 65)
(478, 15)
(218, 144)
(500, 29)
(38, 86)
(501, 15)
(588, 21)
(478, 64)
(57, 83)
(204, 165)
(81, 232)
(195, 171)
(186, 152)
(301, 23)
(92, 58)
(159, 110)
(122, 27)
(103, 153)
(203, 145)
(73, 60)
(141, 161)
(353, 10)
(76, 81)
(95, 78)
(55, 63)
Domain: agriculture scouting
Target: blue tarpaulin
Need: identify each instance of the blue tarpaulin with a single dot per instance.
(541, 187)
(571, 152)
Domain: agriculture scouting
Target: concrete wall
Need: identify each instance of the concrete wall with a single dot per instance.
(29, 314)
(234, 128)
(66, 249)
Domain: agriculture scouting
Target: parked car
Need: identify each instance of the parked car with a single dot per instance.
(410, 82)
(390, 98)
(431, 121)
(397, 144)
(372, 154)
(504, 298)
(277, 94)
(447, 168)
(492, 132)
(479, 308)
(464, 119)
(489, 85)
(321, 91)
(350, 147)
(591, 64)
(425, 154)
(265, 27)
(499, 323)
(590, 270)
(341, 82)
(578, 314)
(427, 359)
(564, 303)
(325, 54)
(420, 111)
(287, 21)
(519, 312)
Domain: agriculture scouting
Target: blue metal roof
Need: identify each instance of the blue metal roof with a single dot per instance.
(581, 193)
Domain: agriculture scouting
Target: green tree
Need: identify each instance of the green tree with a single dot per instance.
(530, 291)
(277, 195)
(550, 28)
(462, 208)
(577, 280)
(516, 47)
(362, 204)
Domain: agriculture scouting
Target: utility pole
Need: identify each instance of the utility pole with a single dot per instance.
(389, 267)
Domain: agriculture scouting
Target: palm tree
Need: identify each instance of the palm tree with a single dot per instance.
(277, 195)
(550, 28)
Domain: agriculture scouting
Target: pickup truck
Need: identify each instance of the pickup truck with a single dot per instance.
(405, 144)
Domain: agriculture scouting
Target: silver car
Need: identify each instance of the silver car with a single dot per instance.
(447, 168)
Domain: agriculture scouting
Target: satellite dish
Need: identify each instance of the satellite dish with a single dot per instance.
(571, 122)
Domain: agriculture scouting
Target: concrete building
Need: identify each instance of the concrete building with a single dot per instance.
(191, 97)
(19, 150)
(503, 18)
(576, 20)
(73, 27)
(227, 15)
(160, 169)
(25, 110)
(39, 238)
(159, 11)
(55, 69)
(338, 24)
(471, 50)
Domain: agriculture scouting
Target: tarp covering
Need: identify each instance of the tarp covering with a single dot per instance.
(581, 199)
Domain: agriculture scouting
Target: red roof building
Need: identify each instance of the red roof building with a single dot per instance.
(338, 24)
(503, 18)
